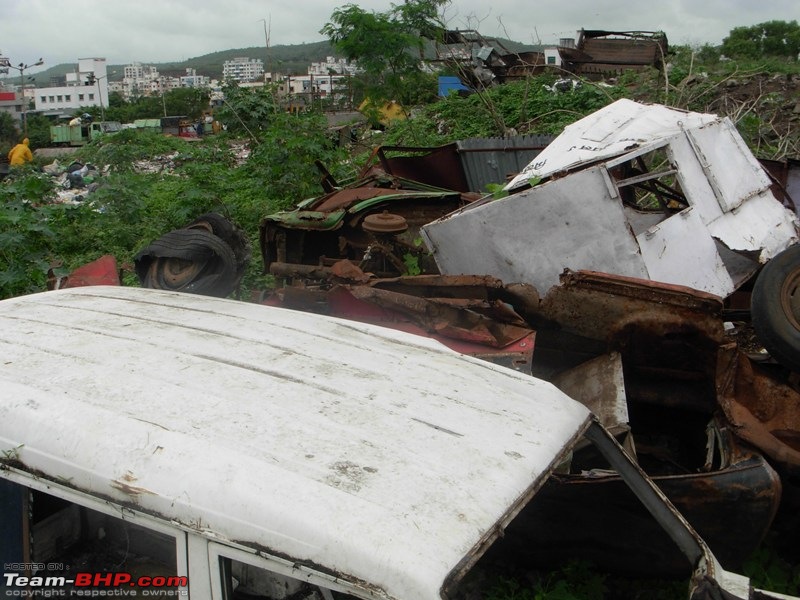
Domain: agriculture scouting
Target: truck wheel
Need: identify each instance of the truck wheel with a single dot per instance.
(775, 307)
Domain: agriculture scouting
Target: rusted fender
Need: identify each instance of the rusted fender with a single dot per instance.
(762, 410)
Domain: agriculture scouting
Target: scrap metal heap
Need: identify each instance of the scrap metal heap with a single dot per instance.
(640, 226)
(613, 270)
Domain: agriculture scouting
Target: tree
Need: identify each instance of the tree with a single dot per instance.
(9, 133)
(186, 101)
(388, 47)
(772, 38)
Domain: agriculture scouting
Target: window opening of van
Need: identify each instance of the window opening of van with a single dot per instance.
(69, 538)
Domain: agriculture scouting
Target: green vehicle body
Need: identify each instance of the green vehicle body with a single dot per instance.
(78, 135)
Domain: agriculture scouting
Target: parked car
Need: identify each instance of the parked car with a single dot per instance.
(228, 450)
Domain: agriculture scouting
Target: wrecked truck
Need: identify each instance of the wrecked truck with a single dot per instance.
(642, 191)
(233, 450)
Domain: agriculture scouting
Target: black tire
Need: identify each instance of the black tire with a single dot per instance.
(228, 233)
(775, 307)
(188, 260)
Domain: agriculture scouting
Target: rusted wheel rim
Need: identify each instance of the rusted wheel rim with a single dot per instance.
(790, 298)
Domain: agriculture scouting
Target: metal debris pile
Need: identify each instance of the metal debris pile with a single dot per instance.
(619, 267)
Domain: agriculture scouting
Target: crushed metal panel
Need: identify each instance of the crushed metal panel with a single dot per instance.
(715, 244)
(758, 229)
(746, 493)
(762, 226)
(532, 236)
(667, 335)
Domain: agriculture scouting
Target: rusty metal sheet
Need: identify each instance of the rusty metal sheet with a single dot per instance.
(667, 335)
(444, 318)
(439, 166)
(466, 313)
(600, 306)
(601, 52)
(763, 410)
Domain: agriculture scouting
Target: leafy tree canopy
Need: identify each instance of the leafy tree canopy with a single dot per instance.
(773, 38)
(388, 46)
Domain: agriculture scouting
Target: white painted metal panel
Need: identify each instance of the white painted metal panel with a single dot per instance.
(761, 225)
(610, 131)
(680, 251)
(692, 178)
(373, 453)
(730, 168)
(569, 221)
(532, 236)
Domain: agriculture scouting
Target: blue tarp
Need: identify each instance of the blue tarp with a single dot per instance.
(447, 83)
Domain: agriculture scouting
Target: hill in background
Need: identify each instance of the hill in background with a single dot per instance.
(287, 59)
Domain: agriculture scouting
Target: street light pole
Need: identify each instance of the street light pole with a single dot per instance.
(21, 68)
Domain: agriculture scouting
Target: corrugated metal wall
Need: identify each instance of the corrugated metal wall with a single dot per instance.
(495, 160)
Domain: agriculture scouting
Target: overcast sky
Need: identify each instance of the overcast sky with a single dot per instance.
(151, 31)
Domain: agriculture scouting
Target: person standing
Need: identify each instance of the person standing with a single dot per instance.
(20, 154)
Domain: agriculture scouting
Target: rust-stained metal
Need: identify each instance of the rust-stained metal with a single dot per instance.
(599, 52)
(331, 227)
(472, 315)
(763, 409)
(673, 349)
(385, 222)
(667, 335)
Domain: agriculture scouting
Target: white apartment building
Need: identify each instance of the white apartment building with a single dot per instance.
(138, 80)
(86, 86)
(333, 66)
(243, 69)
(193, 80)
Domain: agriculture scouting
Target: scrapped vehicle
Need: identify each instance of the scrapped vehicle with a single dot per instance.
(81, 133)
(374, 222)
(230, 450)
(642, 191)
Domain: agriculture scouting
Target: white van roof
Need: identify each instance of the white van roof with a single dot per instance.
(382, 457)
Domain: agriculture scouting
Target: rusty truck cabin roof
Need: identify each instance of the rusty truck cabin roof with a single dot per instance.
(378, 456)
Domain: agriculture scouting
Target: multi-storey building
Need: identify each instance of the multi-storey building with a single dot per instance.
(333, 66)
(243, 69)
(193, 80)
(87, 85)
